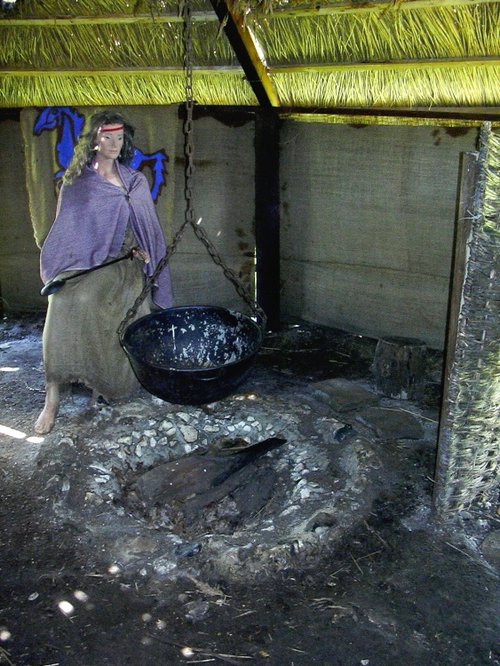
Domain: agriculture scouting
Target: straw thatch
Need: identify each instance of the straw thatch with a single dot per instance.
(322, 55)
(112, 88)
(471, 470)
(397, 34)
(392, 88)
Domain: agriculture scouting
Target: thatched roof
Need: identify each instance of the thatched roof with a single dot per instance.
(338, 56)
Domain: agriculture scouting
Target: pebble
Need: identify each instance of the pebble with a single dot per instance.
(163, 566)
(196, 610)
(189, 433)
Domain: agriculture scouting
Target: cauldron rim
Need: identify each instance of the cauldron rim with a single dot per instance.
(189, 371)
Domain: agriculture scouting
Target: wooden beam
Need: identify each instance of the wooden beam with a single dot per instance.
(463, 117)
(247, 52)
(474, 114)
(111, 19)
(470, 171)
(351, 7)
(280, 11)
(267, 214)
(119, 71)
(446, 63)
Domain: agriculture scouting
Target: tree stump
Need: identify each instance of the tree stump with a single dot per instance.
(399, 367)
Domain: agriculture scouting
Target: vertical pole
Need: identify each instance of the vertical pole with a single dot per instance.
(267, 215)
(463, 230)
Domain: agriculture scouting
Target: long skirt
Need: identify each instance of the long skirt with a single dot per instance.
(80, 340)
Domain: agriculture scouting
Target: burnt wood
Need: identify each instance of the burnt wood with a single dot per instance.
(198, 474)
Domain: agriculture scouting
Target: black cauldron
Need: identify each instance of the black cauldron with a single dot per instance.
(194, 354)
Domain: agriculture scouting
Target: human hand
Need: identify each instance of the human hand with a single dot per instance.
(141, 254)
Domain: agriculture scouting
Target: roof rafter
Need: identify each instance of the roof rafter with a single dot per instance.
(247, 52)
(350, 7)
(389, 64)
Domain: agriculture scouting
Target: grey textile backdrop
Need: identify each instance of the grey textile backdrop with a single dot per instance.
(367, 226)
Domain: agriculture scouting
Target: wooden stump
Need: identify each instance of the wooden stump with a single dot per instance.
(399, 367)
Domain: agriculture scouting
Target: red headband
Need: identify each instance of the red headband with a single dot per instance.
(110, 128)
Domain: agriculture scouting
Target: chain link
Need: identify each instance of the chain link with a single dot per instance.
(189, 217)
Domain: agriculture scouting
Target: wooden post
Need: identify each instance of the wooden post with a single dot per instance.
(267, 215)
(470, 168)
(399, 368)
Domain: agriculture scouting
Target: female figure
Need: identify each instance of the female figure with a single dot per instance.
(104, 210)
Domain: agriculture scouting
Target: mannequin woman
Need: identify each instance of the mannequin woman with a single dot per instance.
(104, 210)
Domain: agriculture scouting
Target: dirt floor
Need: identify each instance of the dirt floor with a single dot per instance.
(320, 547)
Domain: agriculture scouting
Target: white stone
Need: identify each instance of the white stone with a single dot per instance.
(189, 433)
(211, 428)
(163, 566)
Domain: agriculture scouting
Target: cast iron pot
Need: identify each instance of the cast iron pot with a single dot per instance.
(192, 355)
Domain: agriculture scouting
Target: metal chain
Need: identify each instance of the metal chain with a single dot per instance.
(188, 194)
(230, 274)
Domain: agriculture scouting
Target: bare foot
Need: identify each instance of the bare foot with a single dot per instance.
(45, 421)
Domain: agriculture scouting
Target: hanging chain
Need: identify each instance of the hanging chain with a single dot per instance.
(188, 153)
(188, 194)
(188, 123)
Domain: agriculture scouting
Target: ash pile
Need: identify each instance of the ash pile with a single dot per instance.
(265, 481)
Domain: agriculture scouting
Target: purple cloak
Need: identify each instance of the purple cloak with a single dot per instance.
(90, 226)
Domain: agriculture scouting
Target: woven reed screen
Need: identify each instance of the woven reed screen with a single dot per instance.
(468, 463)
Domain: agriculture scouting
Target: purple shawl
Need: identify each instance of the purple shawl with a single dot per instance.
(90, 226)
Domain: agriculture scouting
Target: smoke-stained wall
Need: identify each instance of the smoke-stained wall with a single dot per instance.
(367, 226)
